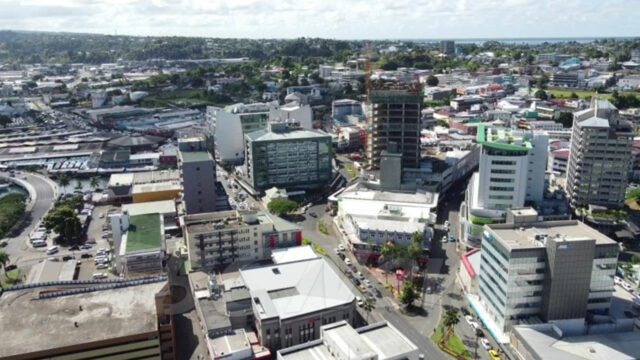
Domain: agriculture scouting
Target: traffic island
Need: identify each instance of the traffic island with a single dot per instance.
(450, 343)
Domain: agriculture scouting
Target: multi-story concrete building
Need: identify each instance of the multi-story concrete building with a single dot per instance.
(287, 157)
(232, 123)
(395, 118)
(548, 270)
(291, 301)
(341, 108)
(130, 322)
(447, 47)
(380, 341)
(198, 170)
(511, 173)
(220, 238)
(558, 160)
(600, 157)
(138, 243)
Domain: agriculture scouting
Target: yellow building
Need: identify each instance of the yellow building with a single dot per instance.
(159, 191)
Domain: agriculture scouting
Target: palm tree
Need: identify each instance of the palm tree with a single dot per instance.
(386, 251)
(64, 180)
(450, 319)
(94, 182)
(368, 306)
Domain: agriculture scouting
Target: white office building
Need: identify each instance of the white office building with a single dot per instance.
(231, 123)
(511, 173)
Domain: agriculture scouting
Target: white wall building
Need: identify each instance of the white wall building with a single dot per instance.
(511, 172)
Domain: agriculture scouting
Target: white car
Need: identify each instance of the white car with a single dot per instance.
(486, 343)
(359, 301)
(359, 275)
(626, 286)
(367, 283)
(444, 239)
(469, 319)
(347, 261)
(446, 223)
(337, 251)
(100, 275)
(617, 280)
(101, 266)
(474, 325)
(341, 247)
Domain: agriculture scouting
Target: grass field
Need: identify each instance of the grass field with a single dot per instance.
(566, 93)
(165, 98)
(10, 278)
(454, 343)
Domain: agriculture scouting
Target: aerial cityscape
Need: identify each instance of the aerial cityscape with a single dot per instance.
(246, 179)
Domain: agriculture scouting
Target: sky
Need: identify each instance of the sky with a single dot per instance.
(337, 19)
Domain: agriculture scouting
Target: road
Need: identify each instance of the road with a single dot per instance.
(45, 194)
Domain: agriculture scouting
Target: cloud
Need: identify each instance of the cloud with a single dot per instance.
(328, 18)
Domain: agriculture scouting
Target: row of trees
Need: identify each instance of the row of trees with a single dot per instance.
(63, 220)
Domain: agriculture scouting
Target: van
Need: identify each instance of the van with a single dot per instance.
(52, 250)
(39, 243)
(100, 275)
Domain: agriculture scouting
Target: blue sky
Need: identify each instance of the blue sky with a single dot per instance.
(342, 19)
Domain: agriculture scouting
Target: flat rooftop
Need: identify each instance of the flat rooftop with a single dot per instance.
(195, 156)
(40, 325)
(545, 343)
(151, 207)
(230, 344)
(144, 177)
(517, 236)
(220, 220)
(144, 233)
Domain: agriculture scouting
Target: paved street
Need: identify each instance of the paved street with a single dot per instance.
(46, 192)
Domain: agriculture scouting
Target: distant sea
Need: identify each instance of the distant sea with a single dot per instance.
(529, 41)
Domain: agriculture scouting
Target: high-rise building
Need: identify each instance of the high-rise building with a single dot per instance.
(287, 157)
(198, 181)
(395, 118)
(511, 174)
(448, 47)
(232, 123)
(550, 270)
(600, 156)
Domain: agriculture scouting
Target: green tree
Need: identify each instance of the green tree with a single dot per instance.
(63, 180)
(78, 185)
(408, 294)
(64, 221)
(432, 80)
(566, 119)
(94, 182)
(282, 206)
(5, 120)
(541, 94)
(368, 307)
(4, 259)
(386, 251)
(451, 318)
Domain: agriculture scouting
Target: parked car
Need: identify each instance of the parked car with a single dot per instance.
(444, 238)
(474, 325)
(100, 275)
(347, 261)
(617, 280)
(86, 256)
(486, 343)
(367, 283)
(53, 258)
(74, 247)
(67, 258)
(312, 214)
(359, 275)
(494, 355)
(335, 250)
(85, 246)
(341, 247)
(10, 267)
(469, 319)
(101, 266)
(626, 286)
(359, 301)
(3, 243)
(452, 238)
(464, 311)
(52, 250)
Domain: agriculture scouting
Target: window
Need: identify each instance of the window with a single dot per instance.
(501, 180)
(198, 168)
(502, 171)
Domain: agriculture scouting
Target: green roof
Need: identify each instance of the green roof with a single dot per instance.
(195, 156)
(144, 233)
(481, 139)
